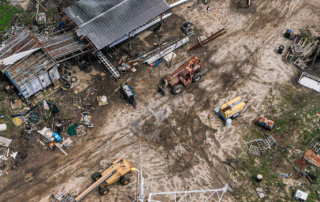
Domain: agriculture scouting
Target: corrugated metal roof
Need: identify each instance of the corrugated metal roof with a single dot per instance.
(24, 41)
(29, 75)
(85, 10)
(24, 70)
(103, 22)
(62, 45)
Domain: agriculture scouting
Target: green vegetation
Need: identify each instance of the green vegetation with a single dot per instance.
(296, 115)
(6, 14)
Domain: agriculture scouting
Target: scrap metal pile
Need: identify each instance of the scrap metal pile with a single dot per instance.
(303, 52)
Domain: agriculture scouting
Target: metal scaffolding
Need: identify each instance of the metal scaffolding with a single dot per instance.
(185, 194)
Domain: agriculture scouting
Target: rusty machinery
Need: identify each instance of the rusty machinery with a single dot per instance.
(190, 72)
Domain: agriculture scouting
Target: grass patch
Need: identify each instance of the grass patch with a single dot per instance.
(6, 14)
(295, 112)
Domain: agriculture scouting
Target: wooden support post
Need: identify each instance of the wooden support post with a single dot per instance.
(130, 48)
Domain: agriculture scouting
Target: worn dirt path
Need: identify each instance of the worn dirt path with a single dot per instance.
(184, 144)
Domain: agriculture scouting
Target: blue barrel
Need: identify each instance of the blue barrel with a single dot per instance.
(57, 137)
(157, 63)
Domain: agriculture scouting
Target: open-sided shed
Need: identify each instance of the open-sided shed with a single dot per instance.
(26, 65)
(104, 22)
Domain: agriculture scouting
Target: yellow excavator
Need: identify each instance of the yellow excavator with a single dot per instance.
(117, 172)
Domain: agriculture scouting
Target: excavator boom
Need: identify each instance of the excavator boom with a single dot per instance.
(111, 175)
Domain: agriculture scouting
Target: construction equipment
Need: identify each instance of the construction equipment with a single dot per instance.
(189, 72)
(116, 172)
(127, 93)
(232, 108)
(266, 123)
(187, 29)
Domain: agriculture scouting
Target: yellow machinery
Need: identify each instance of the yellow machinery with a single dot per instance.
(232, 108)
(116, 172)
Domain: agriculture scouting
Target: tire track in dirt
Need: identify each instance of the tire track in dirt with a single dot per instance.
(252, 26)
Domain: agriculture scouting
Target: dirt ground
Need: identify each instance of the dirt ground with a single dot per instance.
(184, 145)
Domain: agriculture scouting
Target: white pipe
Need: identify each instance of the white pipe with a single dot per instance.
(177, 3)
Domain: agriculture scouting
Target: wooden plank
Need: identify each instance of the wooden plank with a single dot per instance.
(5, 142)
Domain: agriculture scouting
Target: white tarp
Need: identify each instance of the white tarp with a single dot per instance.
(16, 57)
(310, 81)
(5, 142)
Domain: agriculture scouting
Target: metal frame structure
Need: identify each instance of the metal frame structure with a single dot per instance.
(185, 194)
(167, 50)
(115, 73)
(140, 29)
(178, 3)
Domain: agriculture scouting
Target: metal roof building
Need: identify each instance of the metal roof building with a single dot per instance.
(105, 21)
(22, 42)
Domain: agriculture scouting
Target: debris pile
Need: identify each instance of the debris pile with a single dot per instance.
(258, 149)
(302, 52)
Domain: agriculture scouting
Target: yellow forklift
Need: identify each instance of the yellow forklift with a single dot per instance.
(117, 172)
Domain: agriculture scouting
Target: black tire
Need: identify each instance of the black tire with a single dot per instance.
(196, 77)
(104, 190)
(95, 176)
(124, 180)
(103, 185)
(177, 89)
(122, 95)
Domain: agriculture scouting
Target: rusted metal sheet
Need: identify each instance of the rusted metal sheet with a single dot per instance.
(63, 45)
(54, 74)
(22, 42)
(44, 79)
(30, 88)
(312, 158)
(30, 75)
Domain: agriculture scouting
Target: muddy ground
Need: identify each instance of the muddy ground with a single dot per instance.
(184, 145)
